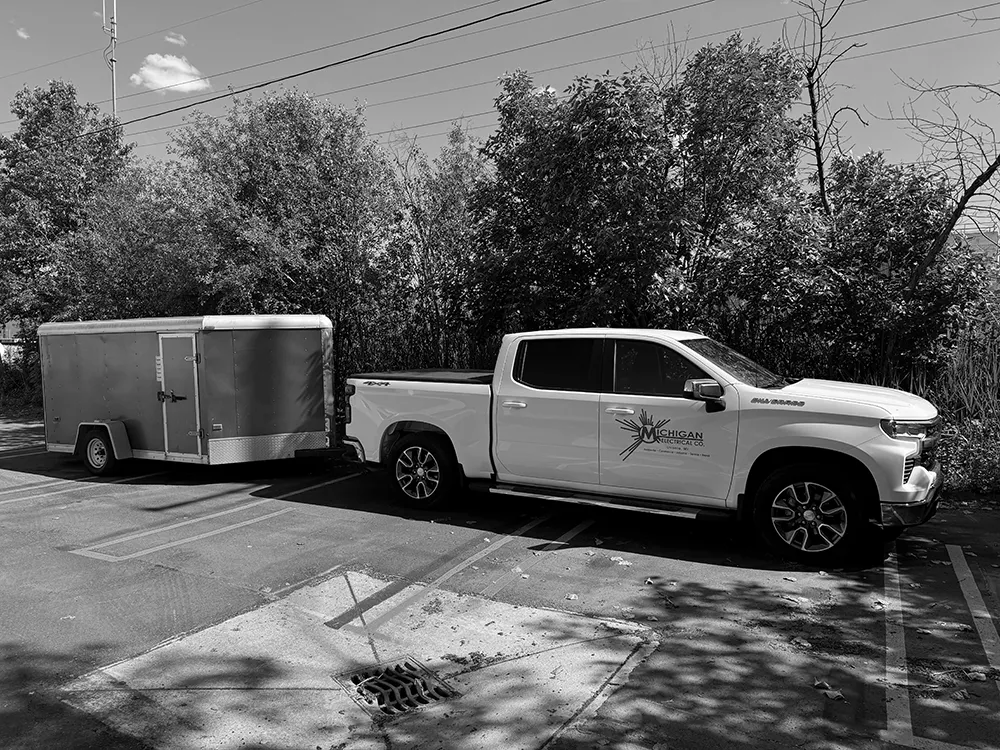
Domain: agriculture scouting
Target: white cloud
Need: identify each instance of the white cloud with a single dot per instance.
(174, 38)
(23, 34)
(159, 71)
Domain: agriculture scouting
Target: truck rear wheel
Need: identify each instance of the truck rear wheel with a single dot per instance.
(98, 455)
(423, 470)
(809, 513)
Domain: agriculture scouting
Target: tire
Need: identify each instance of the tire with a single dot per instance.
(809, 513)
(423, 471)
(98, 455)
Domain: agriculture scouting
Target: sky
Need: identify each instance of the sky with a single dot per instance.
(175, 43)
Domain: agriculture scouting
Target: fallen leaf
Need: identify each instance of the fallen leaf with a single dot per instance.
(914, 585)
(653, 618)
(524, 575)
(571, 597)
(485, 538)
(976, 676)
(68, 617)
(821, 685)
(801, 642)
(649, 581)
(789, 578)
(835, 695)
(960, 695)
(823, 573)
(590, 553)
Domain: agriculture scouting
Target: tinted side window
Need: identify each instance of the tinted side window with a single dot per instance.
(560, 364)
(648, 369)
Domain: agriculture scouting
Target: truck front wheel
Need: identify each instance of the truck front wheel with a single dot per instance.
(423, 470)
(98, 455)
(809, 513)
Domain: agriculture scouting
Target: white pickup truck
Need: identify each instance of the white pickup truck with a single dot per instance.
(661, 421)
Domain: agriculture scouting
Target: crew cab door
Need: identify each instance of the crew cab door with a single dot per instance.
(655, 439)
(546, 411)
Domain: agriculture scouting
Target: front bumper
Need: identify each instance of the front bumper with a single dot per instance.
(921, 510)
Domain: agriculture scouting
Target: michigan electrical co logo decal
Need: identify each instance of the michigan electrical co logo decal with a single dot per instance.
(648, 432)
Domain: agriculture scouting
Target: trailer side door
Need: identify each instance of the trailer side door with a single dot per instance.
(179, 394)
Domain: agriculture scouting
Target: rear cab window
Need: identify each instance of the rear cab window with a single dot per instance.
(560, 364)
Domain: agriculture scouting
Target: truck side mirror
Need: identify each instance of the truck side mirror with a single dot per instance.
(707, 390)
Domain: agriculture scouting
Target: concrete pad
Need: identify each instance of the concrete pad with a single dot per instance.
(267, 678)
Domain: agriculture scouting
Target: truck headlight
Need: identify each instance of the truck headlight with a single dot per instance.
(904, 430)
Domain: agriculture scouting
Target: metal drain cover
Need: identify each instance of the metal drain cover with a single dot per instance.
(395, 688)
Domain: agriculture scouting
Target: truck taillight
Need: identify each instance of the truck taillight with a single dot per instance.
(349, 389)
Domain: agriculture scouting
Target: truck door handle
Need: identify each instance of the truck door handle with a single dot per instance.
(619, 410)
(514, 404)
(172, 397)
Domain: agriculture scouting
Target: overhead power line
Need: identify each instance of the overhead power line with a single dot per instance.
(317, 49)
(365, 55)
(287, 57)
(361, 38)
(132, 39)
(301, 73)
(493, 80)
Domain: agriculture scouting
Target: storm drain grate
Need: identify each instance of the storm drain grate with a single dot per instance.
(396, 688)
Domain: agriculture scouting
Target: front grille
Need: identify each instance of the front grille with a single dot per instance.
(391, 689)
(908, 465)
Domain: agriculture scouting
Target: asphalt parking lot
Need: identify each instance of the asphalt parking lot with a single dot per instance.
(229, 607)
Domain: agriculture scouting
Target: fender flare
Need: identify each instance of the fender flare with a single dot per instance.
(117, 433)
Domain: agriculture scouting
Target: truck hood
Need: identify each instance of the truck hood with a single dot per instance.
(899, 404)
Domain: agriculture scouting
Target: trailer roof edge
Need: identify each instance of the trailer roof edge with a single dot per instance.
(192, 323)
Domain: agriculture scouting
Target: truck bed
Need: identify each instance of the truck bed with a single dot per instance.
(480, 377)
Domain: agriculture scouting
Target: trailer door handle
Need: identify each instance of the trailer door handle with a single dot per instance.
(619, 410)
(177, 398)
(514, 404)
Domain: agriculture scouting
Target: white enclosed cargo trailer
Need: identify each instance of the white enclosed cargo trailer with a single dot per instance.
(212, 389)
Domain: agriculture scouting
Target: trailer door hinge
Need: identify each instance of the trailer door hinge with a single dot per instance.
(194, 358)
(197, 433)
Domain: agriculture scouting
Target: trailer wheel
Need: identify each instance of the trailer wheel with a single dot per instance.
(98, 455)
(423, 471)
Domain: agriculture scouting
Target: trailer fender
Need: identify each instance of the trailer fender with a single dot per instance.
(116, 431)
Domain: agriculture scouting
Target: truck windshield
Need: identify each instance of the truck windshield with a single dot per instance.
(740, 367)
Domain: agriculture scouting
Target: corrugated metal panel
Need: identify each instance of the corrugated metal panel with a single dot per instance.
(262, 447)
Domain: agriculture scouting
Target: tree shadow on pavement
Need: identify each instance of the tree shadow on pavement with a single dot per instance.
(32, 715)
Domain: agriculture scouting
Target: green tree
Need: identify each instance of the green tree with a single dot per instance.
(62, 154)
(300, 201)
(144, 252)
(439, 237)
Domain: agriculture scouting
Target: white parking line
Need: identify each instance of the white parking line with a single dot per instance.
(90, 551)
(897, 693)
(5, 456)
(76, 485)
(512, 575)
(980, 613)
(375, 624)
(43, 485)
